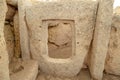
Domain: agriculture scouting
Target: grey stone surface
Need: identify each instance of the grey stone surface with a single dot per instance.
(101, 38)
(4, 71)
(34, 34)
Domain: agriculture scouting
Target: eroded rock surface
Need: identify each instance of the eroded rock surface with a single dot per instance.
(27, 70)
(9, 39)
(10, 13)
(12, 2)
(17, 35)
(66, 33)
(34, 37)
(101, 38)
(83, 75)
(4, 61)
(113, 57)
(60, 40)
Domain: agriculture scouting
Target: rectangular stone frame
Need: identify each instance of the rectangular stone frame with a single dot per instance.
(34, 35)
(72, 22)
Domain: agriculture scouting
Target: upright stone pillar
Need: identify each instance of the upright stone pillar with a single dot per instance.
(24, 36)
(4, 71)
(101, 38)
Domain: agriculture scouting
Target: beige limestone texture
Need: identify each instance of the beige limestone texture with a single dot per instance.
(9, 39)
(60, 39)
(17, 35)
(113, 58)
(110, 77)
(83, 75)
(35, 15)
(24, 37)
(10, 13)
(12, 2)
(4, 71)
(60, 33)
(27, 70)
(101, 38)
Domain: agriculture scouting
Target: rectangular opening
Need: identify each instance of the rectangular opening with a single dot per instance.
(60, 33)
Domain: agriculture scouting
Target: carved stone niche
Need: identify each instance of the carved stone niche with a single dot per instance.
(38, 16)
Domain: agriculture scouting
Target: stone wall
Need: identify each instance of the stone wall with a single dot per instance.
(62, 36)
(4, 61)
(113, 56)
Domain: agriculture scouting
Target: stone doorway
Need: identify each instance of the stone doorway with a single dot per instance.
(60, 38)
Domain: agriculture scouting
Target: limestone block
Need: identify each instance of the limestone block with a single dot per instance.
(10, 13)
(113, 58)
(101, 38)
(24, 36)
(12, 2)
(28, 71)
(17, 35)
(4, 62)
(9, 39)
(81, 15)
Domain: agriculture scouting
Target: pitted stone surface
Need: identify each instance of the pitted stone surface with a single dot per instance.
(101, 38)
(83, 75)
(113, 58)
(60, 38)
(24, 39)
(4, 61)
(28, 71)
(37, 12)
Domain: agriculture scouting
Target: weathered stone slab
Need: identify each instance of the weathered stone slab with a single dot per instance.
(101, 38)
(4, 61)
(113, 58)
(29, 71)
(17, 35)
(24, 37)
(38, 15)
